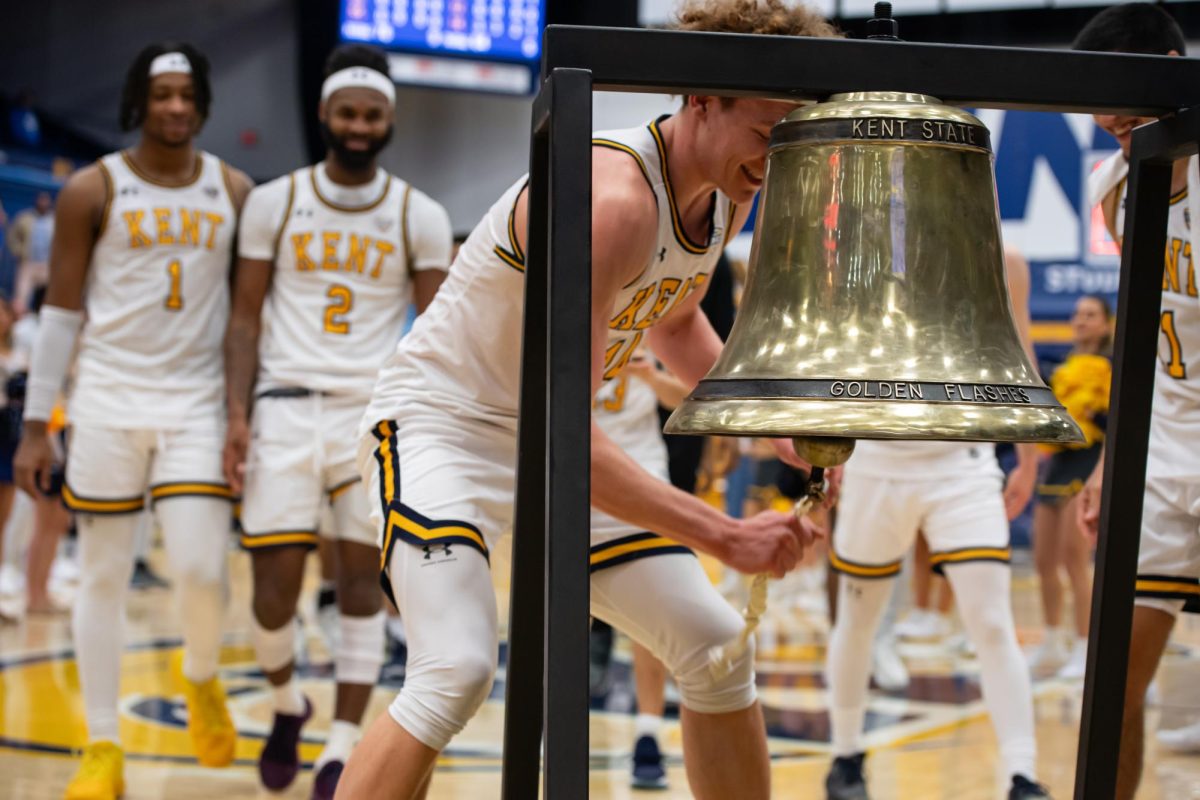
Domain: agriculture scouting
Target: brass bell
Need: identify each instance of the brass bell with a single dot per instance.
(877, 305)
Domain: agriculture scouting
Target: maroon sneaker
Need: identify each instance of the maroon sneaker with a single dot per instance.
(279, 762)
(325, 784)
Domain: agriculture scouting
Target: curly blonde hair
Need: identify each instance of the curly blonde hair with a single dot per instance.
(772, 17)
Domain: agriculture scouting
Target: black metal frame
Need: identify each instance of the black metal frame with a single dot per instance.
(547, 670)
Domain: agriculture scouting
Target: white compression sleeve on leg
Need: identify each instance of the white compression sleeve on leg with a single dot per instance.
(105, 564)
(861, 603)
(982, 590)
(195, 532)
(52, 351)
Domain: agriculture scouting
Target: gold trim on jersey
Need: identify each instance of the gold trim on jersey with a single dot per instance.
(730, 231)
(337, 491)
(515, 257)
(227, 179)
(1178, 196)
(92, 505)
(312, 176)
(857, 570)
(109, 194)
(261, 541)
(966, 554)
(190, 489)
(680, 234)
(287, 212)
(624, 148)
(136, 170)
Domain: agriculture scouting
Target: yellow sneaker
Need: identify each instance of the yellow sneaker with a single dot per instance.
(101, 774)
(213, 734)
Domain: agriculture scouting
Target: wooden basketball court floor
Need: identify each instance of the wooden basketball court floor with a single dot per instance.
(931, 742)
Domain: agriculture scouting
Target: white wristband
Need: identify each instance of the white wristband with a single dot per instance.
(52, 351)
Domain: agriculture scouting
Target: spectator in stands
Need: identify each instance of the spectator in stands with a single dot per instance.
(29, 241)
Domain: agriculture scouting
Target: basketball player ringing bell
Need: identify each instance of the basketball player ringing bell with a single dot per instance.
(439, 444)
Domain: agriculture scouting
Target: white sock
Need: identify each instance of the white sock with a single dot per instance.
(341, 740)
(105, 563)
(861, 604)
(982, 590)
(288, 699)
(647, 725)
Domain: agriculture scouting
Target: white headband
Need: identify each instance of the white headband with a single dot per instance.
(170, 62)
(361, 77)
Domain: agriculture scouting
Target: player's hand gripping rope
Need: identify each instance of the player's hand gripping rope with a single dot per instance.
(721, 659)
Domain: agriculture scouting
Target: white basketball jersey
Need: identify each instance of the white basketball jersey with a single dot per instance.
(157, 300)
(464, 353)
(340, 289)
(627, 410)
(1177, 379)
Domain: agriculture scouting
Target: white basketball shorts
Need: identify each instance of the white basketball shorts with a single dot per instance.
(302, 454)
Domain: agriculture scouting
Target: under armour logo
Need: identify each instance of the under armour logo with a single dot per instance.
(211, 191)
(662, 254)
(385, 223)
(430, 549)
(128, 190)
(303, 212)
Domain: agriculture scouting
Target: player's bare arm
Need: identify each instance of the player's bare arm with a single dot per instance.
(251, 283)
(1019, 487)
(78, 217)
(424, 286)
(240, 185)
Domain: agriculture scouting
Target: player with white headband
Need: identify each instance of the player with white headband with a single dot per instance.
(142, 249)
(329, 257)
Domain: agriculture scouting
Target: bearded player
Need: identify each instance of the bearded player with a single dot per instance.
(440, 444)
(329, 257)
(142, 249)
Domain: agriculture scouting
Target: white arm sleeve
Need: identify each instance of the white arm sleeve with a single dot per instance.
(52, 350)
(429, 233)
(262, 218)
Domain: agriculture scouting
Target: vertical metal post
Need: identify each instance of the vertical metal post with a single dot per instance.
(1138, 306)
(568, 480)
(523, 710)
(550, 584)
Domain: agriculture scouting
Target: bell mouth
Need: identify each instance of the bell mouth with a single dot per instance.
(875, 419)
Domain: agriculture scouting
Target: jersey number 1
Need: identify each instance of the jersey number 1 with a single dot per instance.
(174, 301)
(1176, 367)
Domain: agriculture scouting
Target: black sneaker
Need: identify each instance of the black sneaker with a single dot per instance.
(1025, 789)
(279, 762)
(145, 578)
(648, 772)
(845, 780)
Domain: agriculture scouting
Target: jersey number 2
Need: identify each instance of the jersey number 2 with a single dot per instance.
(174, 301)
(1176, 367)
(340, 301)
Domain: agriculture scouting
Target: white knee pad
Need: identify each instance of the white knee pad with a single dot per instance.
(274, 649)
(360, 649)
(443, 690)
(704, 693)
